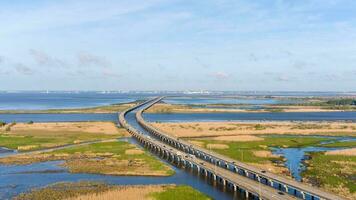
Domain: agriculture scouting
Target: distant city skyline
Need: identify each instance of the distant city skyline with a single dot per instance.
(221, 45)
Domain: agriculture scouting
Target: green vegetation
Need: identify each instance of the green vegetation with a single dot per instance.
(116, 150)
(259, 127)
(340, 144)
(111, 158)
(2, 123)
(333, 172)
(305, 126)
(342, 102)
(14, 142)
(98, 190)
(40, 139)
(334, 104)
(8, 128)
(181, 192)
(244, 151)
(275, 109)
(61, 191)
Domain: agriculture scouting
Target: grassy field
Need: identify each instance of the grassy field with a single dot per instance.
(111, 158)
(340, 144)
(28, 137)
(181, 192)
(258, 153)
(102, 191)
(243, 151)
(333, 172)
(61, 191)
(139, 162)
(210, 129)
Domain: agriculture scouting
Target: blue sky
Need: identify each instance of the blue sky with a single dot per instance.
(178, 45)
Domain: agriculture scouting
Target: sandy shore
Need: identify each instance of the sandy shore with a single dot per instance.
(344, 152)
(178, 108)
(229, 130)
(89, 127)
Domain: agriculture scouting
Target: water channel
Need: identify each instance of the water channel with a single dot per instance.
(41, 174)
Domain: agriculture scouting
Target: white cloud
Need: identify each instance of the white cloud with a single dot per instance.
(45, 60)
(221, 75)
(23, 69)
(87, 60)
(66, 13)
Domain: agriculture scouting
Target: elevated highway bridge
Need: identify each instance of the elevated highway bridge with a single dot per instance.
(232, 174)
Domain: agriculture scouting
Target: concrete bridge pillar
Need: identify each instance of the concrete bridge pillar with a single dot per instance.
(246, 194)
(223, 181)
(286, 188)
(206, 173)
(198, 168)
(214, 177)
(271, 182)
(303, 194)
(234, 187)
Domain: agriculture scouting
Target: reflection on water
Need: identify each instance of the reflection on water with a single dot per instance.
(17, 179)
(282, 116)
(184, 117)
(295, 156)
(73, 117)
(5, 151)
(62, 100)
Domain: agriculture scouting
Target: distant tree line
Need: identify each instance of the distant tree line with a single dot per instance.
(2, 123)
(342, 102)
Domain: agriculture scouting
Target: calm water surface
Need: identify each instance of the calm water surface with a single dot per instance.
(60, 100)
(65, 100)
(185, 117)
(18, 179)
(41, 174)
(295, 156)
(73, 117)
(282, 116)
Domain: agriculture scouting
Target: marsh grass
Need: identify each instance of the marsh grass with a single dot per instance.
(340, 144)
(116, 151)
(181, 192)
(244, 151)
(40, 139)
(333, 172)
(61, 191)
(100, 191)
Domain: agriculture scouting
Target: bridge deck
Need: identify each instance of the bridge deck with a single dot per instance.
(260, 190)
(277, 178)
